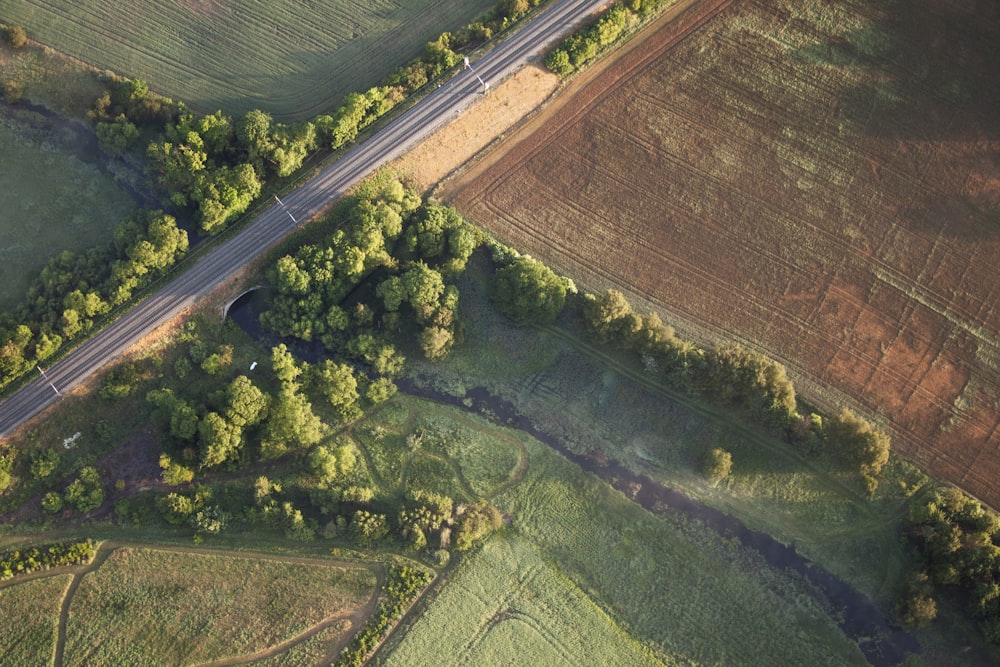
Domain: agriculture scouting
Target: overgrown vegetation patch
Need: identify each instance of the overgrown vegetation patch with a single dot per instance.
(203, 607)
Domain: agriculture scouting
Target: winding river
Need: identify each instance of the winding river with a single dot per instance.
(882, 644)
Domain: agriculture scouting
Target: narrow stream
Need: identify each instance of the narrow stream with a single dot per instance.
(882, 644)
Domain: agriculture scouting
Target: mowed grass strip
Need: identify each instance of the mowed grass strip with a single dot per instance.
(292, 59)
(30, 611)
(146, 606)
(507, 605)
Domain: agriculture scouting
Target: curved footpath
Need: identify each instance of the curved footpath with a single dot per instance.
(389, 143)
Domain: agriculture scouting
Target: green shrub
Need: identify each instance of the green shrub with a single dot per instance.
(16, 37)
(717, 465)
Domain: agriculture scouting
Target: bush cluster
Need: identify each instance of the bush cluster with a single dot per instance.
(959, 542)
(32, 559)
(401, 588)
(591, 40)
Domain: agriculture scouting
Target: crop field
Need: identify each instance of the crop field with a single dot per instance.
(173, 608)
(30, 611)
(292, 59)
(816, 179)
(54, 197)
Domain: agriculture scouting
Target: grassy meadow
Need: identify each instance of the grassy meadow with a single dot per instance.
(605, 406)
(585, 576)
(30, 611)
(508, 605)
(53, 194)
(173, 608)
(294, 60)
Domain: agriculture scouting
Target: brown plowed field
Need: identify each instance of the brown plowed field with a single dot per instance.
(818, 179)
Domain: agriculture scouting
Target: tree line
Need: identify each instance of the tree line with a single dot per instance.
(206, 170)
(593, 39)
(402, 587)
(726, 374)
(735, 377)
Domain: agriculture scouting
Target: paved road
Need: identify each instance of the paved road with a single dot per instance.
(389, 143)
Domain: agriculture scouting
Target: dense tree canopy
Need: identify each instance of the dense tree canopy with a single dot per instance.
(529, 292)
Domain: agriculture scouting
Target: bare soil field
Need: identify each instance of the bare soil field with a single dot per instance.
(819, 180)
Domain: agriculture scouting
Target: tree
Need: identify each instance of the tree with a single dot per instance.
(475, 523)
(212, 520)
(915, 607)
(329, 463)
(174, 473)
(117, 136)
(176, 508)
(52, 502)
(717, 465)
(369, 528)
(529, 292)
(380, 390)
(86, 492)
(253, 132)
(865, 447)
(221, 441)
(512, 8)
(246, 405)
(6, 478)
(291, 425)
(436, 342)
(44, 462)
(285, 367)
(337, 384)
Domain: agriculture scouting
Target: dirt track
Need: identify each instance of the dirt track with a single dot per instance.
(355, 617)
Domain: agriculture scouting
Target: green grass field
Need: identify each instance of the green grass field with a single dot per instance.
(507, 605)
(583, 572)
(294, 60)
(173, 608)
(593, 402)
(53, 195)
(30, 611)
(580, 555)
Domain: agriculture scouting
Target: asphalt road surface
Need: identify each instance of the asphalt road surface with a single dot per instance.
(450, 99)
